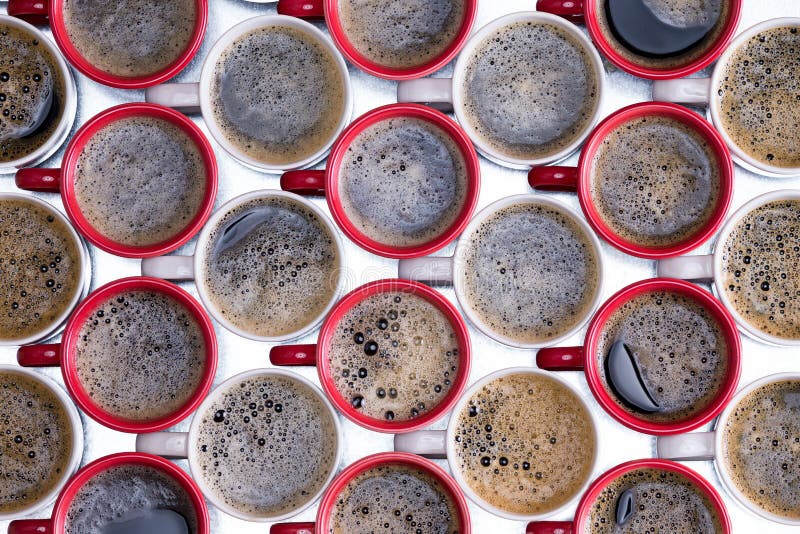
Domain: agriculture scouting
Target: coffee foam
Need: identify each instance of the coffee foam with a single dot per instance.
(140, 355)
(394, 498)
(39, 266)
(761, 268)
(36, 445)
(530, 90)
(531, 272)
(517, 443)
(265, 445)
(128, 170)
(130, 38)
(759, 97)
(655, 181)
(761, 447)
(401, 34)
(394, 356)
(271, 266)
(403, 182)
(282, 106)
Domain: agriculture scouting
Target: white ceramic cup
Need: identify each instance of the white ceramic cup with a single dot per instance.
(709, 446)
(77, 441)
(445, 93)
(182, 445)
(708, 268)
(451, 270)
(196, 97)
(192, 267)
(70, 106)
(702, 91)
(441, 444)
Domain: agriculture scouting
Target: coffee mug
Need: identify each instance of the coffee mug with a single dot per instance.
(584, 179)
(197, 97)
(592, 13)
(742, 123)
(65, 354)
(585, 358)
(569, 131)
(331, 182)
(377, 294)
(153, 465)
(53, 13)
(46, 147)
(713, 445)
(581, 523)
(358, 48)
(714, 268)
(63, 180)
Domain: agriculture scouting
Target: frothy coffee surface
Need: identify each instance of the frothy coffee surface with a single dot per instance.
(395, 498)
(761, 268)
(531, 272)
(759, 97)
(271, 266)
(141, 355)
(130, 38)
(394, 356)
(278, 95)
(530, 90)
(32, 93)
(401, 35)
(39, 265)
(664, 501)
(36, 442)
(140, 181)
(761, 448)
(266, 445)
(403, 182)
(525, 443)
(656, 181)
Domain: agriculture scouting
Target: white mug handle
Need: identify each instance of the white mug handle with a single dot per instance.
(428, 443)
(435, 271)
(683, 90)
(693, 268)
(692, 446)
(435, 92)
(173, 445)
(184, 97)
(169, 267)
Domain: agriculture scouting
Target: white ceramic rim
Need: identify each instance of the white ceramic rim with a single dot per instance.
(77, 441)
(207, 76)
(465, 240)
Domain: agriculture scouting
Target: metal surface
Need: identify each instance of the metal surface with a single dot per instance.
(237, 354)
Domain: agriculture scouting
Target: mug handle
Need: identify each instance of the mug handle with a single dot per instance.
(683, 90)
(31, 526)
(39, 355)
(698, 268)
(560, 359)
(34, 11)
(292, 528)
(549, 527)
(692, 446)
(572, 10)
(169, 267)
(293, 355)
(433, 92)
(303, 9)
(305, 183)
(172, 445)
(39, 179)
(427, 443)
(183, 97)
(554, 178)
(432, 270)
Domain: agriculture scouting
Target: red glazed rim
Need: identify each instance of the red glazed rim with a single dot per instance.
(103, 119)
(339, 152)
(338, 484)
(130, 458)
(590, 16)
(388, 73)
(346, 304)
(83, 65)
(701, 297)
(690, 119)
(87, 308)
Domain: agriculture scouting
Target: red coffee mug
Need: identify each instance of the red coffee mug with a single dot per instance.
(64, 354)
(56, 524)
(586, 12)
(317, 354)
(584, 358)
(318, 182)
(579, 179)
(43, 12)
(328, 10)
(332, 494)
(63, 180)
(587, 501)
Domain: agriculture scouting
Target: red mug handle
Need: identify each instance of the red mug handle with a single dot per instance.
(554, 178)
(39, 355)
(33, 11)
(560, 359)
(572, 10)
(304, 9)
(30, 526)
(293, 355)
(39, 179)
(292, 528)
(549, 527)
(304, 183)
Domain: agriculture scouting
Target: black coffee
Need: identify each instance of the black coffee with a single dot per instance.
(130, 38)
(395, 498)
(32, 93)
(36, 442)
(128, 169)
